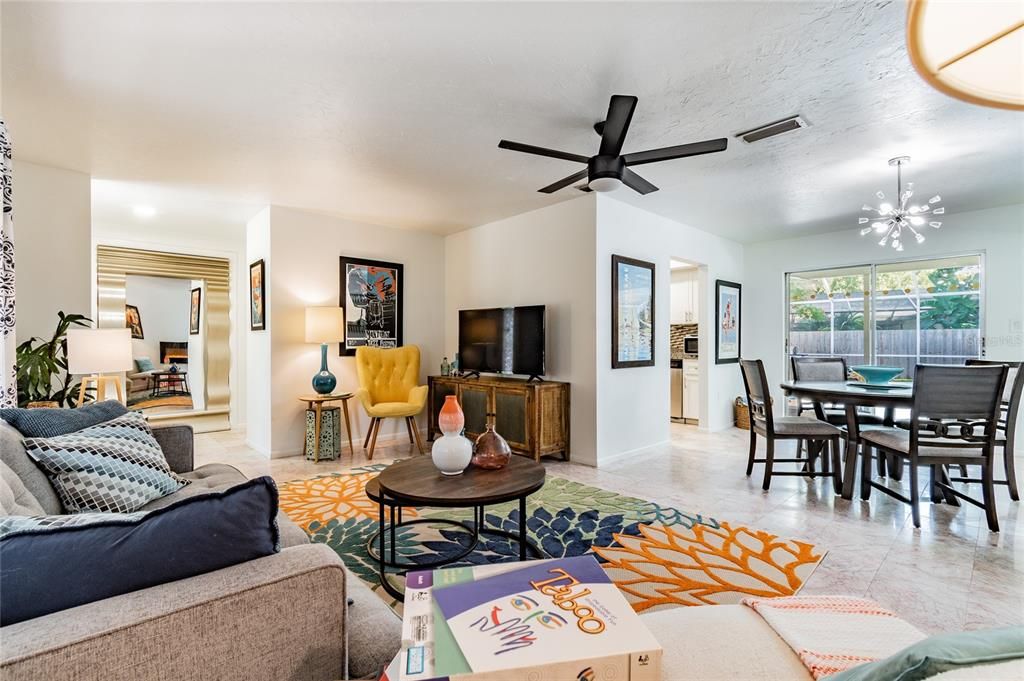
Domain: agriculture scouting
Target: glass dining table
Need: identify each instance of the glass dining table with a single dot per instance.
(851, 395)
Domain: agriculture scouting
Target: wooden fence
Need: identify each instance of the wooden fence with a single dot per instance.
(938, 346)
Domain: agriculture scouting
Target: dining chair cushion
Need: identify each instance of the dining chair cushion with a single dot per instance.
(802, 425)
(897, 439)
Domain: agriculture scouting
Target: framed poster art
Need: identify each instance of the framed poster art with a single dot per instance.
(133, 320)
(632, 313)
(371, 296)
(257, 296)
(728, 301)
(194, 311)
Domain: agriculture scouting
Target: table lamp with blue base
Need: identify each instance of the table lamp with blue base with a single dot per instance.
(324, 325)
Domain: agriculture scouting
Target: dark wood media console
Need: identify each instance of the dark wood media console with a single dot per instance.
(533, 416)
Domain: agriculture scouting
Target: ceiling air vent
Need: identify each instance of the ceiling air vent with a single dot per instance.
(772, 129)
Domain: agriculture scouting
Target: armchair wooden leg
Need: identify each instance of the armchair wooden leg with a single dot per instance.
(408, 427)
(416, 432)
(369, 432)
(373, 439)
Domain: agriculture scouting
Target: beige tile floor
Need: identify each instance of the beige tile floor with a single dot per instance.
(950, 574)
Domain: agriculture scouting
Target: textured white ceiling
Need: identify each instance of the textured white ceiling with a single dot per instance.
(391, 113)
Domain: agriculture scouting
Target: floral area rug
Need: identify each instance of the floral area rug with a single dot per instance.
(659, 556)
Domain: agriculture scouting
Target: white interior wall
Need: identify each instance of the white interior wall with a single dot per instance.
(544, 257)
(305, 272)
(633, 404)
(197, 347)
(998, 233)
(257, 343)
(163, 309)
(224, 241)
(52, 226)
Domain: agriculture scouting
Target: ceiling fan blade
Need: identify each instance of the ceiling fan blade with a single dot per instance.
(564, 182)
(681, 151)
(616, 125)
(541, 151)
(637, 183)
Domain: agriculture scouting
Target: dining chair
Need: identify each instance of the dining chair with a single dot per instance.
(763, 422)
(1009, 411)
(953, 420)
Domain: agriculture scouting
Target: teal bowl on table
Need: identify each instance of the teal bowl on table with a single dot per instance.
(877, 375)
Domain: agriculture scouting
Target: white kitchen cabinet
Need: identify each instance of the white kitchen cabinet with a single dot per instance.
(685, 302)
(691, 390)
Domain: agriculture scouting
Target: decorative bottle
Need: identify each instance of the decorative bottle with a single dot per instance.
(445, 367)
(491, 450)
(451, 453)
(455, 365)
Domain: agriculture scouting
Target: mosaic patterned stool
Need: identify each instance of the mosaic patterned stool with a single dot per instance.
(329, 434)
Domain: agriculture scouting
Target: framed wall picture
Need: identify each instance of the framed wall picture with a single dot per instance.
(728, 301)
(194, 311)
(257, 296)
(371, 296)
(133, 320)
(632, 313)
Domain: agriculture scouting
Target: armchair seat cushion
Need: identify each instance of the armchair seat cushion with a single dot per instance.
(394, 409)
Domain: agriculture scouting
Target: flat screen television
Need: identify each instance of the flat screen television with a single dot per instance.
(502, 340)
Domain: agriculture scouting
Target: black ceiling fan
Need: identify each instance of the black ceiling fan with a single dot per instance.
(609, 167)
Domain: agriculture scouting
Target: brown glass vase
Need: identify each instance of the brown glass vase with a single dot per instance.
(491, 451)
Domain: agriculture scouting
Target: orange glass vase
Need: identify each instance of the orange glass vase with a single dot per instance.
(451, 419)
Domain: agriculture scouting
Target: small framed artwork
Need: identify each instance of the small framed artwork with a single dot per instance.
(371, 296)
(632, 313)
(195, 311)
(133, 320)
(257, 296)
(728, 301)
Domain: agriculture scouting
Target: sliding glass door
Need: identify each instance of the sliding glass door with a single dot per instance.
(827, 312)
(895, 314)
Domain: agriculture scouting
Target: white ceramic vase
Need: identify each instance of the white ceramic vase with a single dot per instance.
(451, 453)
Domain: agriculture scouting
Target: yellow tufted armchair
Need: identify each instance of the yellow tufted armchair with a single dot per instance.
(387, 389)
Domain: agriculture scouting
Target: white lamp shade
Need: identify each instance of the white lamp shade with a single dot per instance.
(325, 325)
(97, 351)
(971, 50)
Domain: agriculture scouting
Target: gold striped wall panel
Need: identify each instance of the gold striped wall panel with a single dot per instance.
(114, 264)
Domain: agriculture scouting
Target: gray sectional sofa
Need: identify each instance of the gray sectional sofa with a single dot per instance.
(279, 617)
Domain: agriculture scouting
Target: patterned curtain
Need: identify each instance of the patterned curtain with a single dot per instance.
(8, 372)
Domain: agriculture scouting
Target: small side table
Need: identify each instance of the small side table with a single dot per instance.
(316, 403)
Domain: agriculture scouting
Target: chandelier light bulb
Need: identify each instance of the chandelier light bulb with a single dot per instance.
(868, 208)
(935, 199)
(880, 194)
(865, 231)
(935, 224)
(915, 209)
(939, 211)
(884, 241)
(916, 220)
(879, 226)
(862, 221)
(919, 237)
(885, 208)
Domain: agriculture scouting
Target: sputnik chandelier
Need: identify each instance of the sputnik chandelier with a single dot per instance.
(892, 219)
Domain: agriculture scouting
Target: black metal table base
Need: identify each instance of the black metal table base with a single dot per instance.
(386, 559)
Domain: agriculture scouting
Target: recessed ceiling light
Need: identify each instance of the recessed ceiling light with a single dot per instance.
(144, 211)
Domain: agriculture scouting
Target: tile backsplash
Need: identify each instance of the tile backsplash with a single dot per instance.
(676, 334)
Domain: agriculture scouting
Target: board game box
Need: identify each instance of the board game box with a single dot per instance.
(547, 620)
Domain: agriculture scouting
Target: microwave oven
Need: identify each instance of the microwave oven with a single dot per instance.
(690, 345)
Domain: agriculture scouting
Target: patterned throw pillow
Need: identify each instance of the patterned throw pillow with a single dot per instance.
(116, 466)
(53, 422)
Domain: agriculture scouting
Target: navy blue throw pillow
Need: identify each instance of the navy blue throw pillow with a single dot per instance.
(54, 566)
(47, 422)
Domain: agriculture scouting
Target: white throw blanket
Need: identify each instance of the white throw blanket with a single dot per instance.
(833, 633)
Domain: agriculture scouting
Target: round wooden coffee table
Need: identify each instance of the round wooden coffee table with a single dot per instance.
(416, 482)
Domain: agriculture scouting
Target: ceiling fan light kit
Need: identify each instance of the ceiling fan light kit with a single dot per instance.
(609, 168)
(889, 221)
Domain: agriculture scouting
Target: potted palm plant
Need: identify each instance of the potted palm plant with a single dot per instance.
(42, 366)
